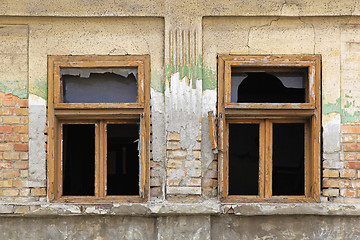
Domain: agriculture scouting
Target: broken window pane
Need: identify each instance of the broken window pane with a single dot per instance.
(243, 159)
(99, 85)
(269, 87)
(78, 159)
(122, 159)
(288, 159)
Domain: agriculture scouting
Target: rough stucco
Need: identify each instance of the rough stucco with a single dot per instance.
(14, 59)
(199, 8)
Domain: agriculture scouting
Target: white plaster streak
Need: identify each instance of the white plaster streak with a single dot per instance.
(209, 104)
(158, 130)
(331, 133)
(37, 124)
(183, 107)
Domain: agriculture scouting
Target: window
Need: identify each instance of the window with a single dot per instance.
(98, 138)
(269, 128)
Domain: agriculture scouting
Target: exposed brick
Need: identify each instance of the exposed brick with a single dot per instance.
(10, 173)
(19, 183)
(21, 209)
(154, 164)
(173, 145)
(355, 183)
(347, 192)
(194, 172)
(210, 192)
(6, 147)
(197, 154)
(336, 183)
(347, 173)
(330, 173)
(351, 147)
(155, 181)
(9, 103)
(213, 165)
(6, 165)
(21, 147)
(24, 192)
(5, 183)
(194, 182)
(11, 120)
(24, 120)
(21, 111)
(184, 190)
(176, 154)
(193, 164)
(38, 192)
(352, 165)
(11, 155)
(155, 192)
(331, 192)
(24, 138)
(24, 156)
(173, 137)
(21, 129)
(6, 129)
(349, 156)
(348, 139)
(24, 103)
(155, 173)
(178, 173)
(210, 183)
(11, 138)
(351, 129)
(173, 182)
(24, 173)
(6, 111)
(175, 163)
(10, 192)
(210, 174)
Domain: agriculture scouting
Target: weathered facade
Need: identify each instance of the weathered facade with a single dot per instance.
(183, 39)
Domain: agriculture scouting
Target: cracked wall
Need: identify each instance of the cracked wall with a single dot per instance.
(183, 40)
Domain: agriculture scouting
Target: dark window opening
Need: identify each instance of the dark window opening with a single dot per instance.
(78, 159)
(271, 87)
(288, 159)
(122, 159)
(243, 159)
(109, 85)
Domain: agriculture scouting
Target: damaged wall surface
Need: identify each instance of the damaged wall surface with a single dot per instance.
(183, 40)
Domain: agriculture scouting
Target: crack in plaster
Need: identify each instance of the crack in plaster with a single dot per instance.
(255, 27)
(314, 32)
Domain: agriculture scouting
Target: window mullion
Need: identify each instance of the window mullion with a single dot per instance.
(268, 158)
(262, 144)
(98, 161)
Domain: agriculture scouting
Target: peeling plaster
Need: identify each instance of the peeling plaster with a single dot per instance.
(37, 123)
(183, 110)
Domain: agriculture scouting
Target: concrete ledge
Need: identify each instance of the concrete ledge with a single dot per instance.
(167, 208)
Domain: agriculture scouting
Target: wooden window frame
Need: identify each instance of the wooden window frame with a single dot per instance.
(265, 114)
(99, 114)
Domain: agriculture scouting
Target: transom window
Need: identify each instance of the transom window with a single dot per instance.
(269, 128)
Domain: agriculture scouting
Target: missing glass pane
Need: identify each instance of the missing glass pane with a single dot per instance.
(78, 159)
(288, 159)
(122, 159)
(268, 87)
(99, 85)
(243, 159)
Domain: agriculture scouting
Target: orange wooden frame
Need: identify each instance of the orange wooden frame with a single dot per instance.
(99, 114)
(266, 114)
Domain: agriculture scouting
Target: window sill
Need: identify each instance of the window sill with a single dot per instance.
(34, 209)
